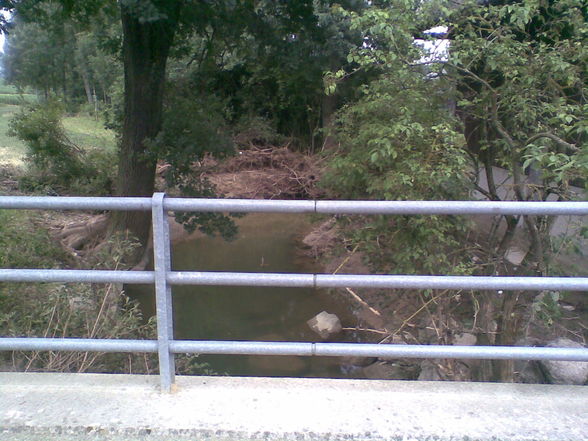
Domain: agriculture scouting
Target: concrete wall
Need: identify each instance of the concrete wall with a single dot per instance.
(130, 407)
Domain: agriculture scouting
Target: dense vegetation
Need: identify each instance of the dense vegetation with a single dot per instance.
(354, 82)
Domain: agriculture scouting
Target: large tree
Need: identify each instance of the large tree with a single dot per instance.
(520, 70)
(149, 29)
(148, 34)
(518, 74)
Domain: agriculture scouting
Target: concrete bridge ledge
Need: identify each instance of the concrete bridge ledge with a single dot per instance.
(45, 407)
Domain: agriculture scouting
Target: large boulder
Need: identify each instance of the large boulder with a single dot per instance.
(565, 372)
(326, 325)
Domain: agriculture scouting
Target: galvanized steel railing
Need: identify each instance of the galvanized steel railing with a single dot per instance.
(163, 277)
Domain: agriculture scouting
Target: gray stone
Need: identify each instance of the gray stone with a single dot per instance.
(465, 339)
(529, 371)
(515, 255)
(565, 372)
(429, 372)
(326, 325)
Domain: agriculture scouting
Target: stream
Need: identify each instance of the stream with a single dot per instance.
(266, 243)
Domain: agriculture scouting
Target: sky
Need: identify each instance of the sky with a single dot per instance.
(7, 15)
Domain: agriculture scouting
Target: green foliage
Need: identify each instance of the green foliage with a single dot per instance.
(54, 161)
(193, 127)
(255, 130)
(270, 62)
(64, 310)
(37, 251)
(523, 70)
(56, 54)
(49, 150)
(399, 142)
(546, 307)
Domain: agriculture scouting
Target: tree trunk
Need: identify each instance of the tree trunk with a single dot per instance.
(146, 47)
(86, 81)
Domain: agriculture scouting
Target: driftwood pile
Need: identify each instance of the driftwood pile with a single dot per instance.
(267, 173)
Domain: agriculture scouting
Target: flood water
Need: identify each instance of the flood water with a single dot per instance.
(266, 243)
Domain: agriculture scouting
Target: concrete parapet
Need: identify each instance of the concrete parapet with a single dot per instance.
(130, 407)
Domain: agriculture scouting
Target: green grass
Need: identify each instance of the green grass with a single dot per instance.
(85, 131)
(7, 88)
(89, 133)
(12, 150)
(8, 98)
(37, 251)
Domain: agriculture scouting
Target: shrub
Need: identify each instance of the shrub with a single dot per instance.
(55, 163)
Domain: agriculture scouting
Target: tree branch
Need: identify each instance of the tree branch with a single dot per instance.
(555, 138)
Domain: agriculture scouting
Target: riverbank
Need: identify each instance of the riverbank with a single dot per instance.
(392, 316)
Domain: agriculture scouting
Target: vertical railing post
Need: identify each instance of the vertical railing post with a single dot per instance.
(163, 297)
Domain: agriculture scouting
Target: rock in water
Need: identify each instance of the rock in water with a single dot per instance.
(326, 325)
(565, 372)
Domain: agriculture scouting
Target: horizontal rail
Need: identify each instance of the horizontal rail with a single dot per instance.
(208, 278)
(163, 277)
(298, 349)
(378, 281)
(76, 203)
(289, 206)
(76, 344)
(76, 276)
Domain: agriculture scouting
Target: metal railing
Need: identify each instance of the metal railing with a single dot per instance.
(163, 277)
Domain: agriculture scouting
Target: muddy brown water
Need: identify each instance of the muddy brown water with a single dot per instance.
(266, 243)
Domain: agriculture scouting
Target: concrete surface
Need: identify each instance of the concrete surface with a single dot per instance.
(41, 407)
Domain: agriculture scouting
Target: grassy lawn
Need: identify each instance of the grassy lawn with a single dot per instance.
(85, 131)
(89, 133)
(12, 150)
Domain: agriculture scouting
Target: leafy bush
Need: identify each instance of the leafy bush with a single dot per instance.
(399, 143)
(55, 163)
(193, 127)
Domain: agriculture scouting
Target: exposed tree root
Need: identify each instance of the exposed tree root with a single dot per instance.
(83, 236)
